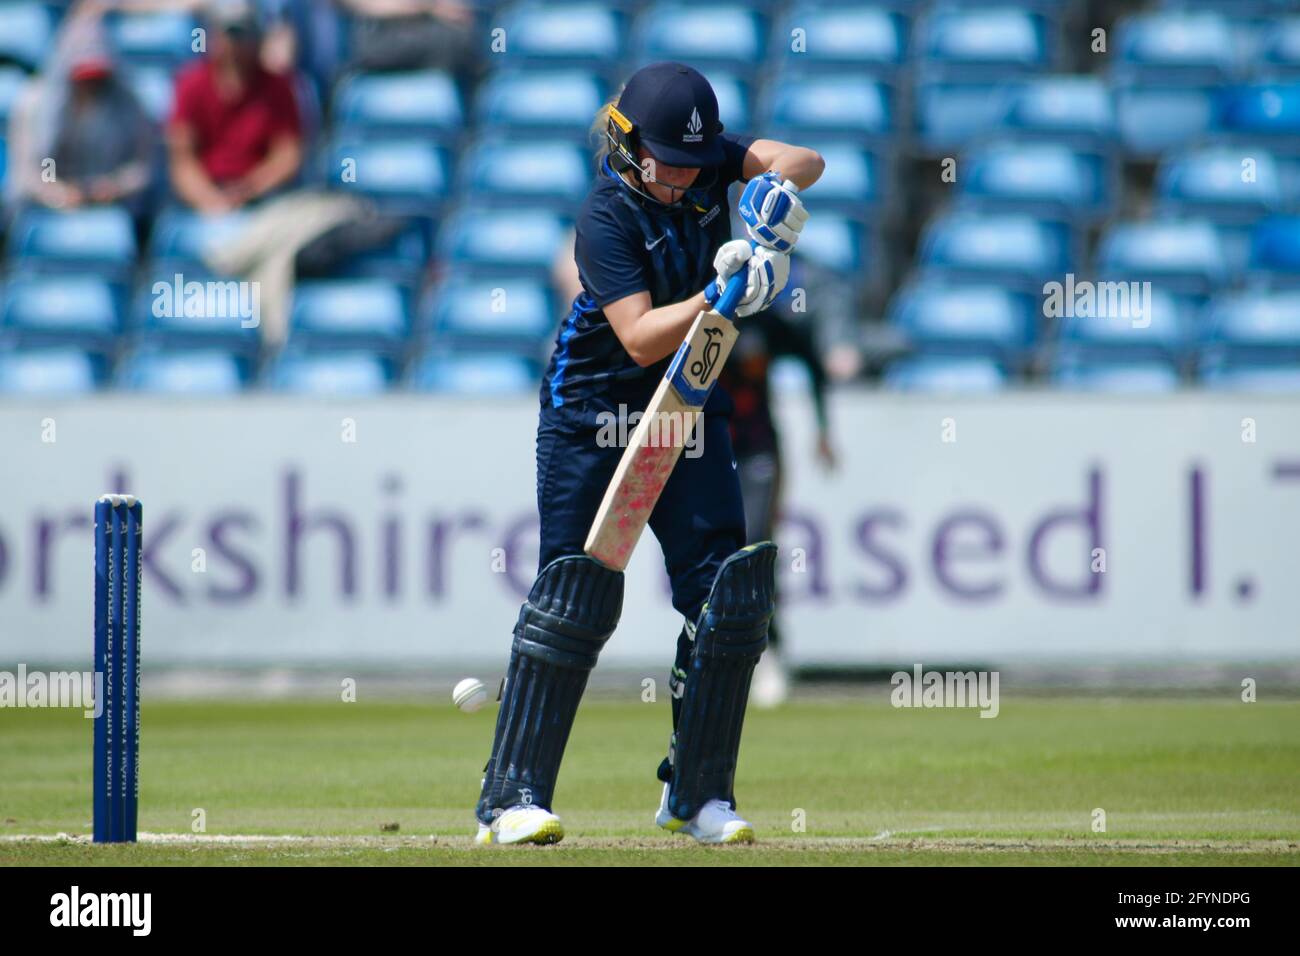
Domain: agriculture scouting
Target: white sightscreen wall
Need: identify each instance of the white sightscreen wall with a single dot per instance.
(403, 528)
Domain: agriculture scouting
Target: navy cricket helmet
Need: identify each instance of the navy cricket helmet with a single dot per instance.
(671, 109)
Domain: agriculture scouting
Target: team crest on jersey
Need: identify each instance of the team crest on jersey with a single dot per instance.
(693, 127)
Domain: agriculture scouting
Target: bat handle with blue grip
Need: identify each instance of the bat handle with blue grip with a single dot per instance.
(734, 290)
(731, 295)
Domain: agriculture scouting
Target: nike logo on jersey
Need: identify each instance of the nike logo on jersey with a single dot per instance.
(651, 245)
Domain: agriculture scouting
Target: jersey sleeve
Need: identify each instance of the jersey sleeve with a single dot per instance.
(735, 147)
(608, 263)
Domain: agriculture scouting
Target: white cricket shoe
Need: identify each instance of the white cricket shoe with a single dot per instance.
(771, 686)
(521, 824)
(715, 823)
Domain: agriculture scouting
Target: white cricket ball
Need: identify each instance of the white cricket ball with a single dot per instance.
(469, 695)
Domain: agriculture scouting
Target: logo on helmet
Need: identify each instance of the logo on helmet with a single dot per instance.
(693, 127)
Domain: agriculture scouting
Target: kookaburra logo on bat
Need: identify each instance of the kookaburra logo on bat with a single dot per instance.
(702, 367)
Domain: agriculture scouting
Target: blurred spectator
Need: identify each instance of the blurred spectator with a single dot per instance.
(303, 35)
(235, 134)
(413, 35)
(235, 138)
(783, 331)
(78, 135)
(833, 317)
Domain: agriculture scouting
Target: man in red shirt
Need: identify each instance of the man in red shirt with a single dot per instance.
(234, 133)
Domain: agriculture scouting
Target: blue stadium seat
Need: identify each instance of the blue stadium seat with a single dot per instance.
(354, 313)
(850, 36)
(1251, 377)
(964, 319)
(12, 81)
(839, 244)
(1128, 377)
(425, 102)
(1153, 119)
(569, 34)
(852, 107)
(182, 372)
(154, 87)
(402, 259)
(942, 374)
(163, 37)
(95, 239)
(1275, 251)
(1266, 113)
(401, 174)
(1074, 110)
(951, 115)
(1261, 326)
(1181, 256)
(475, 373)
(1045, 179)
(974, 43)
(202, 310)
(735, 99)
(1279, 54)
(502, 240)
(1050, 8)
(179, 238)
(1210, 181)
(856, 181)
(52, 371)
(506, 309)
(1239, 8)
(1017, 250)
(1176, 46)
(556, 101)
(330, 373)
(66, 309)
(26, 33)
(512, 170)
(1157, 329)
(702, 34)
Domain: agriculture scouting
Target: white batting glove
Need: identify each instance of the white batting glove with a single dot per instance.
(772, 211)
(730, 259)
(768, 273)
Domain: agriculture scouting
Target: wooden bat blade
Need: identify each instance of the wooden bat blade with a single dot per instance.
(665, 428)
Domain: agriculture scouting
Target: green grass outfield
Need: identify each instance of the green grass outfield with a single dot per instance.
(1182, 781)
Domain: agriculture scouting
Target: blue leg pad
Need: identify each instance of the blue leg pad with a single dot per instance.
(573, 607)
(730, 636)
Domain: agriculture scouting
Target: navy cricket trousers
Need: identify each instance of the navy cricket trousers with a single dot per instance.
(699, 520)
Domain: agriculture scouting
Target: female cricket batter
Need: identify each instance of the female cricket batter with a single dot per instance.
(653, 250)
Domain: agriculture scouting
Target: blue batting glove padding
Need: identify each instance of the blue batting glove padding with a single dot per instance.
(751, 203)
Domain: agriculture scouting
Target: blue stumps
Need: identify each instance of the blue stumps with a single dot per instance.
(115, 765)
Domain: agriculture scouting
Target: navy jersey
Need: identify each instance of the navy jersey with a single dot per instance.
(625, 244)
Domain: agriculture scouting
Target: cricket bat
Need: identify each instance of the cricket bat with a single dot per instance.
(664, 429)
